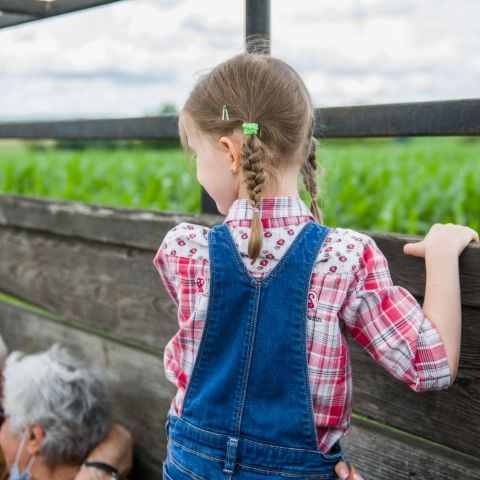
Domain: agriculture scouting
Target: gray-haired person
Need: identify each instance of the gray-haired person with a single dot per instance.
(57, 410)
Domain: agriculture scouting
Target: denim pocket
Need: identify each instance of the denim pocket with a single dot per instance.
(187, 463)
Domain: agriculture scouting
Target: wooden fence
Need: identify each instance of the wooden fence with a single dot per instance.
(88, 270)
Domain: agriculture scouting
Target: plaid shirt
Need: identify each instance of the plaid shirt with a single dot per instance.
(351, 290)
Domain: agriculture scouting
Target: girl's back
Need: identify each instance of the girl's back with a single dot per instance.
(349, 289)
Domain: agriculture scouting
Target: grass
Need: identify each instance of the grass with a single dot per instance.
(373, 184)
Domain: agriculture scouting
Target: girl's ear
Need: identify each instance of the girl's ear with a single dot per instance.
(233, 147)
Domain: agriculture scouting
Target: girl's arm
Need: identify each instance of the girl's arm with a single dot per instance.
(442, 303)
(387, 321)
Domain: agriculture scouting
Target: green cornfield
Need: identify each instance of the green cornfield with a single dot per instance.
(391, 185)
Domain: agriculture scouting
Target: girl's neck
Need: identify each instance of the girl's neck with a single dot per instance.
(287, 187)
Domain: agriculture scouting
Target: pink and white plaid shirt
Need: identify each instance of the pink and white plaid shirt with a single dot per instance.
(350, 290)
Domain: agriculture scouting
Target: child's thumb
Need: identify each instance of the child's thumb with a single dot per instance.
(415, 249)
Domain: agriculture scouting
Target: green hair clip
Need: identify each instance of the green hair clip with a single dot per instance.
(250, 128)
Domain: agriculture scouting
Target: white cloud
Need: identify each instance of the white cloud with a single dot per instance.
(129, 58)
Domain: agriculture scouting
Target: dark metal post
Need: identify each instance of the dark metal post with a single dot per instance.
(208, 204)
(257, 25)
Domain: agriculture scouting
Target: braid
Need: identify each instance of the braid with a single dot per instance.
(309, 172)
(252, 164)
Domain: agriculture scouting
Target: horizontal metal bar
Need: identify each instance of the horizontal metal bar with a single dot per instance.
(164, 126)
(9, 20)
(433, 118)
(22, 11)
(438, 118)
(24, 7)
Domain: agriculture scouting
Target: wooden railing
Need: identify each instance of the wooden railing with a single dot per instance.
(88, 271)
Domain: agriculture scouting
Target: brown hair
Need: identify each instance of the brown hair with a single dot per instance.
(259, 88)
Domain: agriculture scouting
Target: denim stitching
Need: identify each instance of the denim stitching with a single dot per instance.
(197, 452)
(203, 429)
(317, 476)
(259, 442)
(283, 473)
(186, 470)
(164, 472)
(251, 340)
(240, 384)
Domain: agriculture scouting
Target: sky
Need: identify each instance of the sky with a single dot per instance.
(132, 57)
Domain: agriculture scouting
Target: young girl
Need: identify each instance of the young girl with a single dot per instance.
(266, 298)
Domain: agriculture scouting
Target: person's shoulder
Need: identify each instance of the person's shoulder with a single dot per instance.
(342, 251)
(186, 240)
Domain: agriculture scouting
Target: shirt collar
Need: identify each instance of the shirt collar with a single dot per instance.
(270, 207)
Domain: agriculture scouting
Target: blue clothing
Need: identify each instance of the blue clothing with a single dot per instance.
(247, 412)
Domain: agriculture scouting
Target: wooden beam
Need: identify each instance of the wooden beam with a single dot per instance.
(116, 291)
(142, 397)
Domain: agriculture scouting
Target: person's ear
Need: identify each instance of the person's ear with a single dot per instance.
(234, 149)
(35, 438)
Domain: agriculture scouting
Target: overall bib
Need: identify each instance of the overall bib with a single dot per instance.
(247, 412)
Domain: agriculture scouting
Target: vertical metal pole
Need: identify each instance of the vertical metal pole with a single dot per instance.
(257, 27)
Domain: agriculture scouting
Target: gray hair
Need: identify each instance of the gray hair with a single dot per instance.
(3, 352)
(57, 391)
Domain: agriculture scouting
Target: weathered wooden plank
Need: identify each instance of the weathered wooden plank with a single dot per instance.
(142, 393)
(115, 283)
(116, 225)
(146, 228)
(380, 452)
(110, 284)
(409, 271)
(117, 292)
(142, 396)
(111, 288)
(450, 417)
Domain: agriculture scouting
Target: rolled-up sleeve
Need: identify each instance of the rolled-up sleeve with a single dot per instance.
(388, 322)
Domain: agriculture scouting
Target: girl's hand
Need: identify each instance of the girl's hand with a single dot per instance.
(344, 473)
(444, 237)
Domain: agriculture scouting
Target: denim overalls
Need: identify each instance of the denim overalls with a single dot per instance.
(247, 412)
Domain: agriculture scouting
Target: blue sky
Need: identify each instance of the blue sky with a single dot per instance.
(131, 57)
